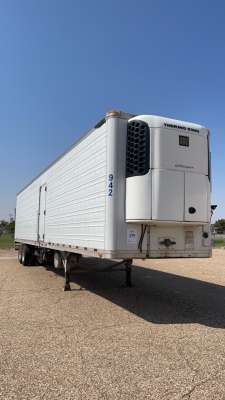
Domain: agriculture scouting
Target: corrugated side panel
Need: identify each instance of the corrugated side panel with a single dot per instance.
(27, 207)
(76, 188)
(75, 198)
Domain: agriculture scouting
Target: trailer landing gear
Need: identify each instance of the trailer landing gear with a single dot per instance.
(66, 259)
(66, 287)
(128, 272)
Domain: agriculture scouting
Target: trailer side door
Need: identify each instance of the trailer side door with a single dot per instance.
(42, 212)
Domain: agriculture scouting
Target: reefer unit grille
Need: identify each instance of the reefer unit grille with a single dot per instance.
(138, 149)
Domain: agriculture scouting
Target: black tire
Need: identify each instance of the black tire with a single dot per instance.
(20, 253)
(26, 255)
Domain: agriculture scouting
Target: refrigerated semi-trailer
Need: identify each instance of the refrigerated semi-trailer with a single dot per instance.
(133, 187)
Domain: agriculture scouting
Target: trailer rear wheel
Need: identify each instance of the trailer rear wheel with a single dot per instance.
(20, 253)
(26, 255)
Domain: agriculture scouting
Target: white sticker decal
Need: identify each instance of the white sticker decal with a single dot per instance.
(131, 235)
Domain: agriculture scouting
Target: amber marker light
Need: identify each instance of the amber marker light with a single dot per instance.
(113, 112)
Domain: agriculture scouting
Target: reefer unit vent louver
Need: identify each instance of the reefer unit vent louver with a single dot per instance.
(138, 148)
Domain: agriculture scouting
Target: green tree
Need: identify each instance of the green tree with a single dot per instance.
(220, 224)
(11, 227)
(3, 223)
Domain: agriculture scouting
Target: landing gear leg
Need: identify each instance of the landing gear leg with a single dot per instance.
(66, 287)
(128, 272)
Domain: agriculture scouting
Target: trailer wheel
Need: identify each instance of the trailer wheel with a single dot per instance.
(20, 253)
(26, 255)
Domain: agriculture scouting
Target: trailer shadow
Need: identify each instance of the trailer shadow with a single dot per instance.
(157, 297)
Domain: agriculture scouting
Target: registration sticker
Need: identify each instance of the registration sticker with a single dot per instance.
(131, 235)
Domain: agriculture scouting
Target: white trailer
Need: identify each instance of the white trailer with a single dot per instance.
(133, 187)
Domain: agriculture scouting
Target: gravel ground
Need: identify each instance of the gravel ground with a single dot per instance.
(162, 339)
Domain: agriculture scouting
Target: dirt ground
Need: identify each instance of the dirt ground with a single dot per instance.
(164, 338)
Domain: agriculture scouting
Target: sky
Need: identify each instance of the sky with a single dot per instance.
(65, 63)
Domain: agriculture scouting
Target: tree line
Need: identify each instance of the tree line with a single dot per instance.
(8, 226)
(220, 225)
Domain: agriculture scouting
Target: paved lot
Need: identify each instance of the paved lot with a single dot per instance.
(162, 339)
